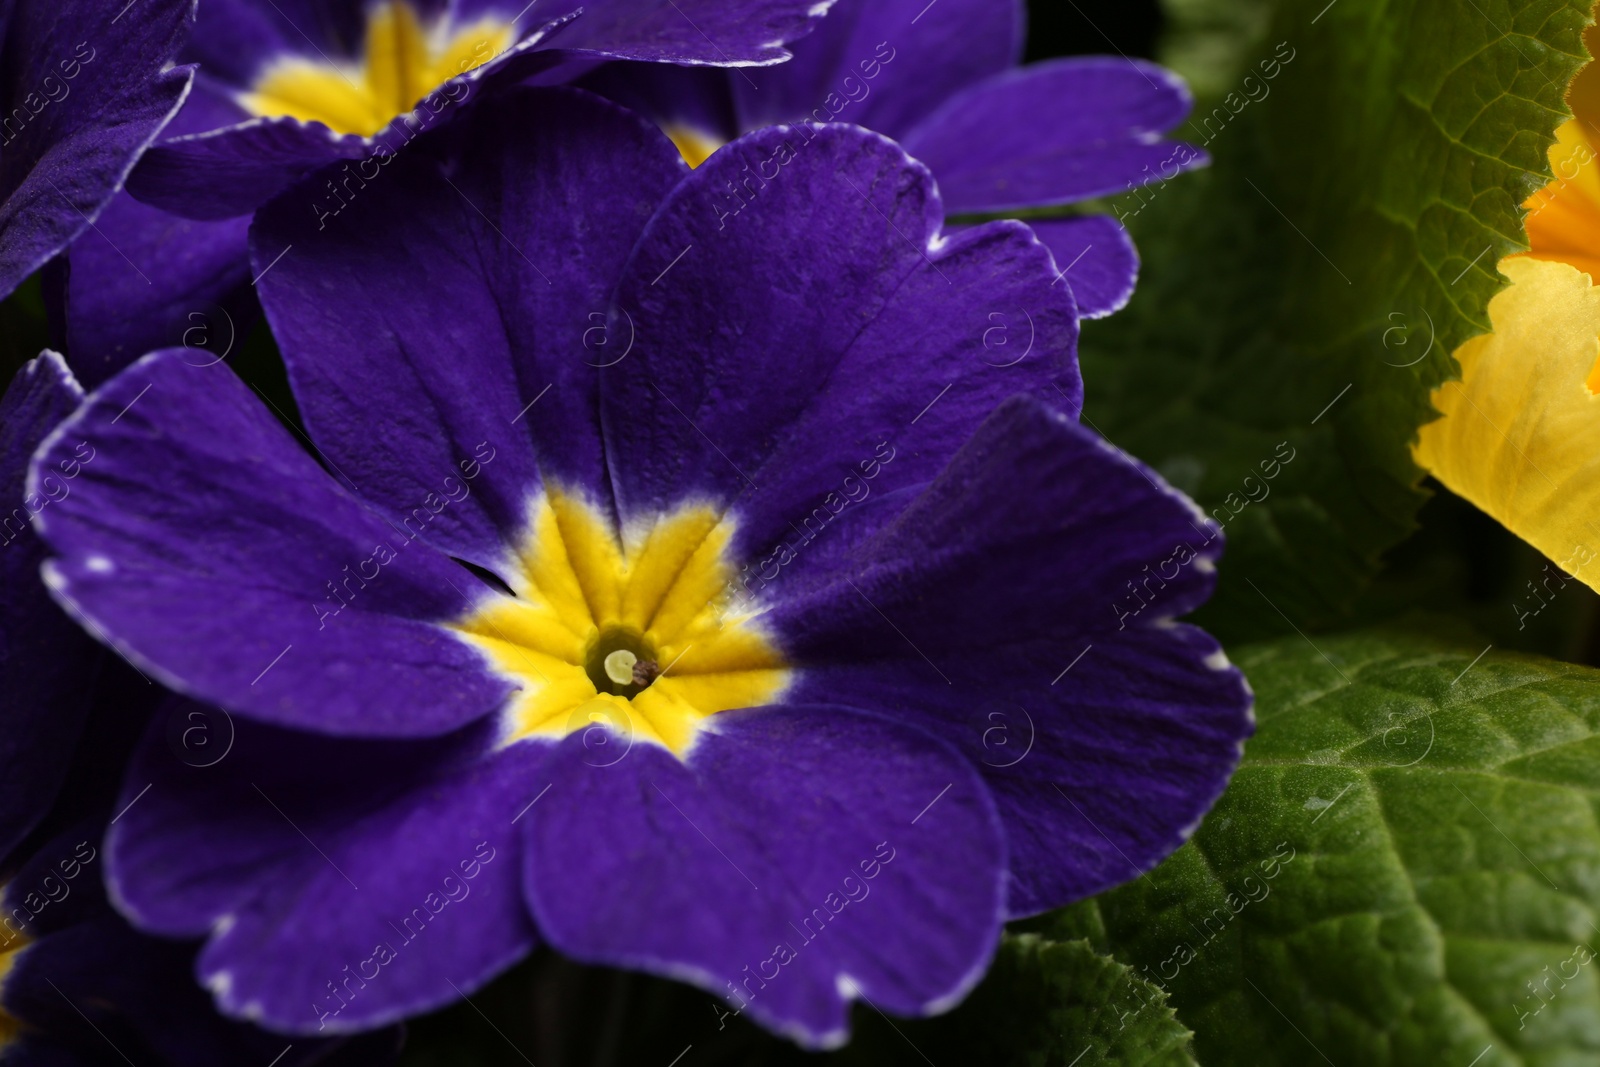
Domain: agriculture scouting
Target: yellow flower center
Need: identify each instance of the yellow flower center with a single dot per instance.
(637, 635)
(695, 146)
(1563, 220)
(402, 62)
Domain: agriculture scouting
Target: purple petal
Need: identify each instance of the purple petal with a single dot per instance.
(224, 561)
(1009, 588)
(209, 106)
(884, 64)
(343, 883)
(91, 89)
(845, 332)
(229, 172)
(800, 857)
(1056, 132)
(690, 32)
(522, 239)
(1096, 258)
(47, 664)
(145, 280)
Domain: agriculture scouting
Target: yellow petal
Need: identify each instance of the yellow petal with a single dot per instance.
(1563, 220)
(1520, 436)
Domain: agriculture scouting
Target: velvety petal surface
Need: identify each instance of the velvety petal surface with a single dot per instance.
(690, 32)
(1095, 257)
(47, 664)
(343, 883)
(233, 170)
(145, 280)
(1022, 609)
(816, 853)
(1056, 132)
(416, 399)
(883, 64)
(845, 330)
(215, 553)
(84, 90)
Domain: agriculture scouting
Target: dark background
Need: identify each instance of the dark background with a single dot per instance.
(1075, 27)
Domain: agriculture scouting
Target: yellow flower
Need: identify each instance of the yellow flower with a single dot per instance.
(1520, 436)
(1520, 432)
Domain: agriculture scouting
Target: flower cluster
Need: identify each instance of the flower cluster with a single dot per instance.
(667, 488)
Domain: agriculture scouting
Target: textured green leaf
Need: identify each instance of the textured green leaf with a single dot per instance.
(1405, 870)
(1358, 203)
(1044, 1003)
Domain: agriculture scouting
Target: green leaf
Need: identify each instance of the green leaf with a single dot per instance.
(1044, 1003)
(1208, 41)
(1350, 225)
(1404, 870)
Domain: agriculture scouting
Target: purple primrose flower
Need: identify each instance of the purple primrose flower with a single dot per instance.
(645, 586)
